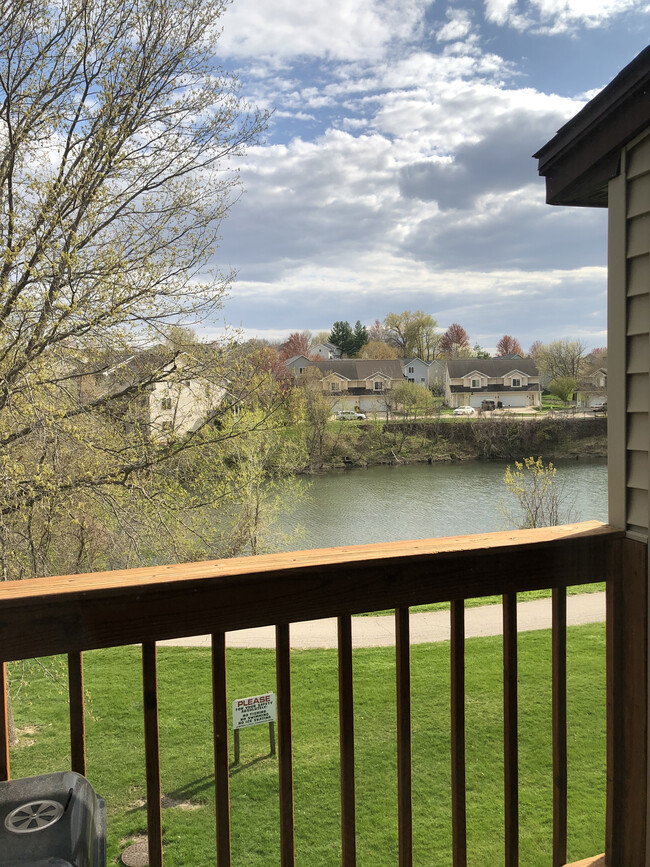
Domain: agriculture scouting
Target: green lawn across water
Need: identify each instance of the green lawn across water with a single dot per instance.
(116, 757)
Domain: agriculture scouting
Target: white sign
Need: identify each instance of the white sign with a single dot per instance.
(253, 711)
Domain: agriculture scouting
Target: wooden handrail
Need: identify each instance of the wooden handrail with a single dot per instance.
(74, 613)
(44, 616)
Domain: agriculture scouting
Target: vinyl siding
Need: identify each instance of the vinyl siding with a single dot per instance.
(629, 338)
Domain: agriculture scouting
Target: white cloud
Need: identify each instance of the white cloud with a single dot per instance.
(530, 304)
(335, 29)
(410, 183)
(458, 26)
(557, 16)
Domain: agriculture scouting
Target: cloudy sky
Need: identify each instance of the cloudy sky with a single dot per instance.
(396, 172)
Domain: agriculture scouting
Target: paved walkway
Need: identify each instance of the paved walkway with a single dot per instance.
(432, 626)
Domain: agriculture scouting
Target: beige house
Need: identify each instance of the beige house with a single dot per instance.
(182, 405)
(166, 398)
(509, 382)
(592, 388)
(361, 384)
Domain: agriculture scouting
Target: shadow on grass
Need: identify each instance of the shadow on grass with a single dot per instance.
(183, 796)
(237, 769)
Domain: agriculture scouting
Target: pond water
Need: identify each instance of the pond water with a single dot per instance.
(415, 501)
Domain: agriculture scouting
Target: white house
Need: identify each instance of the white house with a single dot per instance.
(326, 350)
(427, 373)
(508, 382)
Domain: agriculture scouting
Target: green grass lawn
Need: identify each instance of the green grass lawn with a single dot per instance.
(116, 757)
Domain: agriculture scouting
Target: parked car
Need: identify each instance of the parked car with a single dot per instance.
(349, 415)
(464, 410)
(600, 407)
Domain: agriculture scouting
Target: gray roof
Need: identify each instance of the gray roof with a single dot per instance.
(490, 367)
(359, 368)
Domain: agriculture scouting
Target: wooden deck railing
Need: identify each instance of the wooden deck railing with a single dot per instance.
(72, 614)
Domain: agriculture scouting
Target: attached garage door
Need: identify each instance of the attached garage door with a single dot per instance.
(514, 399)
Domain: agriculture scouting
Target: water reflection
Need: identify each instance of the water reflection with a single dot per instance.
(420, 501)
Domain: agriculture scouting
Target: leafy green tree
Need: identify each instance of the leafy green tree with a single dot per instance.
(413, 334)
(412, 398)
(260, 484)
(563, 387)
(479, 352)
(562, 358)
(317, 409)
(379, 350)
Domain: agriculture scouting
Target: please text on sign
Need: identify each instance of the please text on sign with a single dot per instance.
(253, 711)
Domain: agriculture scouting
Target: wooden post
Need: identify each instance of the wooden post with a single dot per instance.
(221, 770)
(627, 707)
(4, 723)
(458, 785)
(152, 753)
(236, 740)
(77, 721)
(510, 730)
(272, 738)
(285, 743)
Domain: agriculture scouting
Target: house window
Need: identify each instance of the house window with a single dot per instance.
(334, 386)
(166, 403)
(302, 369)
(379, 386)
(411, 379)
(516, 383)
(476, 383)
(411, 370)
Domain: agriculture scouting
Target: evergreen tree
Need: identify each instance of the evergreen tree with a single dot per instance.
(360, 337)
(342, 336)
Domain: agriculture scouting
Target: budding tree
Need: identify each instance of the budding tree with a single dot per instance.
(508, 345)
(116, 131)
(455, 342)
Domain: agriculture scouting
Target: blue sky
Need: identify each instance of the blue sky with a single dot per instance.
(396, 172)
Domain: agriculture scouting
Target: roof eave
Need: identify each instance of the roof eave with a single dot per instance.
(584, 155)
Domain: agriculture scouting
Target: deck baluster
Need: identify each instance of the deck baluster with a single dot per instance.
(221, 772)
(458, 787)
(152, 753)
(77, 720)
(4, 723)
(285, 746)
(346, 729)
(559, 727)
(510, 738)
(404, 793)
